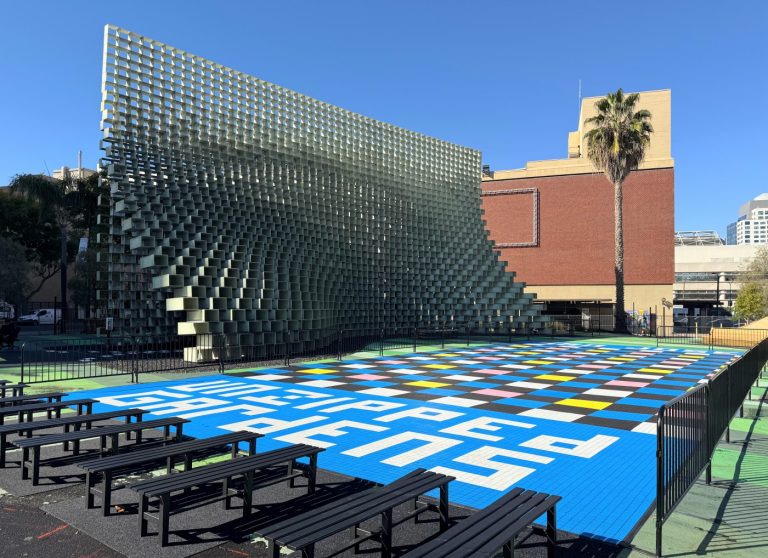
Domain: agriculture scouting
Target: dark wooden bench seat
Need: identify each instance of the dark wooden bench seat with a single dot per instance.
(76, 421)
(103, 432)
(305, 530)
(158, 491)
(22, 399)
(84, 406)
(108, 467)
(16, 389)
(482, 534)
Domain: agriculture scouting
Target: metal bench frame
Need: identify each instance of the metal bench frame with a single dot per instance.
(108, 467)
(157, 492)
(102, 432)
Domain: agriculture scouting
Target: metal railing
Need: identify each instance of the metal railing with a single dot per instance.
(740, 337)
(690, 426)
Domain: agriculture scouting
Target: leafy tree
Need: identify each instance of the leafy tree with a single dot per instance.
(751, 302)
(616, 145)
(83, 284)
(13, 272)
(757, 269)
(21, 222)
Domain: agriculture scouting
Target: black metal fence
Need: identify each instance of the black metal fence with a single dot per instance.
(690, 427)
(66, 359)
(715, 337)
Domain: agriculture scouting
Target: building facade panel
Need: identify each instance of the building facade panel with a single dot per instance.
(576, 245)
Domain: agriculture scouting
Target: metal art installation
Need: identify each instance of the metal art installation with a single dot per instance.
(241, 208)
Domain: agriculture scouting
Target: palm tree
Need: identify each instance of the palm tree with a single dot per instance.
(616, 145)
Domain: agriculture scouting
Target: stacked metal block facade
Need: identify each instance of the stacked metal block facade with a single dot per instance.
(243, 208)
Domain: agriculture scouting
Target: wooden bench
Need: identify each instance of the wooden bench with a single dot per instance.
(107, 467)
(160, 489)
(84, 406)
(102, 432)
(76, 421)
(303, 531)
(22, 399)
(16, 389)
(482, 534)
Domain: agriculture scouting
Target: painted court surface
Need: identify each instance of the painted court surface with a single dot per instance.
(564, 418)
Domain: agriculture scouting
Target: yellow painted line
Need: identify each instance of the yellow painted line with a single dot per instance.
(623, 359)
(656, 370)
(447, 354)
(439, 366)
(554, 377)
(584, 404)
(316, 371)
(538, 362)
(423, 383)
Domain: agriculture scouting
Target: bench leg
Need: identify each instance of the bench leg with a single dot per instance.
(312, 484)
(66, 431)
(139, 436)
(143, 515)
(165, 504)
(3, 447)
(127, 422)
(309, 551)
(386, 534)
(179, 432)
(90, 483)
(114, 440)
(551, 532)
(290, 472)
(509, 549)
(35, 465)
(169, 464)
(248, 494)
(275, 549)
(444, 507)
(252, 446)
(225, 492)
(76, 447)
(106, 494)
(24, 463)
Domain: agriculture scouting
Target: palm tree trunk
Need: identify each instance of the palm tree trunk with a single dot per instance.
(620, 316)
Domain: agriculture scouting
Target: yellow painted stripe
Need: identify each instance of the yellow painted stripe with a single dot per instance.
(584, 404)
(423, 383)
(538, 361)
(555, 377)
(655, 370)
(317, 371)
(439, 366)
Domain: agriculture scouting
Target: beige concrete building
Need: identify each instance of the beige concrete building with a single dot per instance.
(709, 276)
(553, 222)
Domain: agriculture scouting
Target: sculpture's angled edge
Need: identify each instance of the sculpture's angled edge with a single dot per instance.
(243, 208)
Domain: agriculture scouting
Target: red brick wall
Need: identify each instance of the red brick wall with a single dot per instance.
(576, 228)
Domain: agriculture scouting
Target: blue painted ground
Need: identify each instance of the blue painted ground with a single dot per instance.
(606, 476)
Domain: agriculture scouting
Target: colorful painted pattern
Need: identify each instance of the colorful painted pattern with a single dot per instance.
(601, 385)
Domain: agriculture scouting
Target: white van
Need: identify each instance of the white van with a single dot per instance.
(44, 316)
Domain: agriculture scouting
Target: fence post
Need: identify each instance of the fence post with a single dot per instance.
(659, 479)
(708, 418)
(134, 363)
(22, 362)
(221, 353)
(415, 332)
(728, 424)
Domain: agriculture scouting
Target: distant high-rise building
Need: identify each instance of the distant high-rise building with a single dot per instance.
(751, 227)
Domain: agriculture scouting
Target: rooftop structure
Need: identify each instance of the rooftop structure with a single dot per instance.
(698, 238)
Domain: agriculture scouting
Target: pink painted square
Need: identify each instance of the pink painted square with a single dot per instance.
(368, 377)
(488, 358)
(593, 366)
(497, 393)
(626, 383)
(491, 371)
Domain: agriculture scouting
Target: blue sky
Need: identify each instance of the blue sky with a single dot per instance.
(501, 77)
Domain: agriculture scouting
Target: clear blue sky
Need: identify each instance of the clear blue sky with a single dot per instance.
(501, 77)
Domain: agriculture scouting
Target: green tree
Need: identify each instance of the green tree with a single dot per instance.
(13, 272)
(21, 222)
(616, 144)
(751, 302)
(58, 201)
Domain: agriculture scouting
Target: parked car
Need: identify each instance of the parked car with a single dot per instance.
(7, 311)
(44, 316)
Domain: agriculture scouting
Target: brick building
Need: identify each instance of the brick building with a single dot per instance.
(552, 221)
